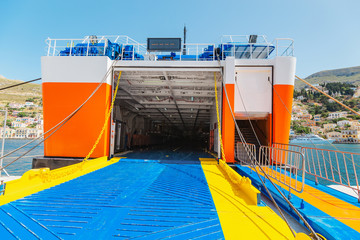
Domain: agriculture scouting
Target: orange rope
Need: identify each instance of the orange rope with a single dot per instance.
(350, 109)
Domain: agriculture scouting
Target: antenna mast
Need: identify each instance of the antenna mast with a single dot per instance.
(184, 47)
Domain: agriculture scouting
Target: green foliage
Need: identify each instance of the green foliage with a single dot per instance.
(315, 109)
(339, 87)
(22, 114)
(324, 114)
(332, 106)
(355, 117)
(298, 129)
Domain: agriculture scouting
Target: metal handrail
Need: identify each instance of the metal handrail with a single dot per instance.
(3, 142)
(244, 151)
(287, 146)
(251, 51)
(285, 166)
(334, 166)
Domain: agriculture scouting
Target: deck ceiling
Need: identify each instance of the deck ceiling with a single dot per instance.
(181, 98)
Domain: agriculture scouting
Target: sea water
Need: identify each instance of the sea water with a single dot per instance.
(24, 163)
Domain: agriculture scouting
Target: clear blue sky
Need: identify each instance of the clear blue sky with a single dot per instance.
(326, 32)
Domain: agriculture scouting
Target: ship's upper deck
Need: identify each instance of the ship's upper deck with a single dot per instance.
(127, 49)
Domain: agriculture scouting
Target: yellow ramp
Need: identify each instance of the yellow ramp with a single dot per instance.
(240, 218)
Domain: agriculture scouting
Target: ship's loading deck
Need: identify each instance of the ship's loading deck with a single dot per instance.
(185, 195)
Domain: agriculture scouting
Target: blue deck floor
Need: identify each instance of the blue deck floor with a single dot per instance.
(129, 199)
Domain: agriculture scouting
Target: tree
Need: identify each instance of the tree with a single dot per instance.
(22, 114)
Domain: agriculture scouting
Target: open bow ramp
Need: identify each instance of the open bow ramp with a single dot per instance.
(146, 199)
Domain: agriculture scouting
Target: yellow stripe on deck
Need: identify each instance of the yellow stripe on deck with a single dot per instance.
(240, 218)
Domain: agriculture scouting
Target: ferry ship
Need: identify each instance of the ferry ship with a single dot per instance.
(311, 139)
(171, 140)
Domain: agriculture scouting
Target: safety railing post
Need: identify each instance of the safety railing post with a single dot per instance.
(133, 52)
(87, 49)
(197, 51)
(71, 43)
(214, 58)
(49, 46)
(222, 51)
(251, 50)
(54, 47)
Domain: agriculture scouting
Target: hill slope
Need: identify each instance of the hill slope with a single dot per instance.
(350, 75)
(18, 94)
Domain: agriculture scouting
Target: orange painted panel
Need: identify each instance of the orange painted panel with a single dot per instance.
(283, 95)
(228, 125)
(78, 135)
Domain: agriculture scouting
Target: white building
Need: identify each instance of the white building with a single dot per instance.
(350, 135)
(33, 133)
(9, 132)
(335, 115)
(21, 133)
(16, 124)
(329, 126)
(343, 123)
(334, 135)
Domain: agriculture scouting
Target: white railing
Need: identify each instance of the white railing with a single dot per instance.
(329, 166)
(285, 166)
(244, 152)
(243, 39)
(238, 46)
(194, 52)
(284, 46)
(292, 147)
(333, 166)
(3, 142)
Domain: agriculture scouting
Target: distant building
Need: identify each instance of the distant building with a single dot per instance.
(317, 118)
(21, 133)
(29, 104)
(301, 97)
(316, 130)
(33, 133)
(329, 126)
(334, 135)
(335, 115)
(294, 117)
(350, 136)
(343, 123)
(306, 116)
(9, 132)
(309, 123)
(16, 124)
(16, 105)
